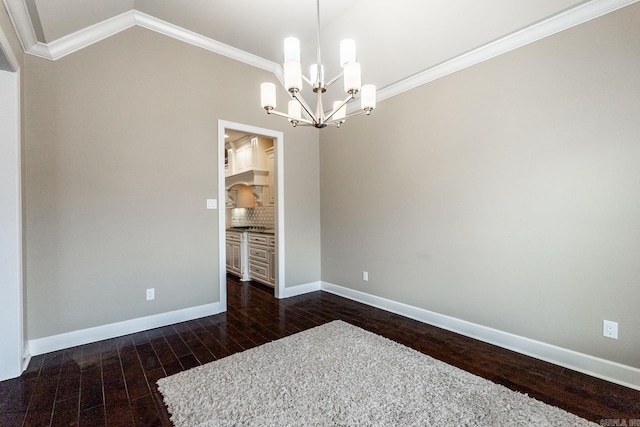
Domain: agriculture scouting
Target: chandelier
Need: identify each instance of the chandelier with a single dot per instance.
(293, 78)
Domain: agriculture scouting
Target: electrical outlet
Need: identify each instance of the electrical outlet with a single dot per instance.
(610, 329)
(151, 294)
(365, 276)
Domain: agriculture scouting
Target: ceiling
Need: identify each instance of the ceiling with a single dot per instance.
(395, 39)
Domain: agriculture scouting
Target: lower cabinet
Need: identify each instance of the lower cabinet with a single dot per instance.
(262, 258)
(272, 260)
(233, 257)
(236, 248)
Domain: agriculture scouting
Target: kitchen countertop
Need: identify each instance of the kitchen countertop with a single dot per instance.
(265, 231)
(258, 231)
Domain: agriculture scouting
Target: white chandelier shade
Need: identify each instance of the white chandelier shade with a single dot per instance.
(298, 111)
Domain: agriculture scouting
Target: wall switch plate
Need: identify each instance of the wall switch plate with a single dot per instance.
(151, 294)
(610, 329)
(212, 203)
(365, 276)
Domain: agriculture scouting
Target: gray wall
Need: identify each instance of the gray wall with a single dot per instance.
(120, 155)
(505, 194)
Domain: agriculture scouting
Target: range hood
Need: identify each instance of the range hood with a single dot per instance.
(250, 178)
(256, 179)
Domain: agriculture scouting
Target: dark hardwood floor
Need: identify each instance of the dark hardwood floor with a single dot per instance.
(112, 382)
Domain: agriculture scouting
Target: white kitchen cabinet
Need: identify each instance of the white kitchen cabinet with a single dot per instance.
(233, 257)
(261, 258)
(251, 164)
(272, 260)
(236, 248)
(248, 154)
(271, 197)
(244, 158)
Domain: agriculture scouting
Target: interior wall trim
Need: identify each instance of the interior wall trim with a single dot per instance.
(614, 372)
(12, 336)
(26, 356)
(293, 291)
(151, 23)
(8, 52)
(279, 167)
(74, 42)
(19, 15)
(80, 39)
(85, 37)
(555, 24)
(103, 332)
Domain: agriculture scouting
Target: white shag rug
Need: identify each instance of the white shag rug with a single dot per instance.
(339, 374)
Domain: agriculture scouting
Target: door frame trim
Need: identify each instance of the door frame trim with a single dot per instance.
(278, 138)
(14, 356)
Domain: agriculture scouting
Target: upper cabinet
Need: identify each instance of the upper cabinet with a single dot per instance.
(248, 153)
(249, 161)
(270, 199)
(245, 158)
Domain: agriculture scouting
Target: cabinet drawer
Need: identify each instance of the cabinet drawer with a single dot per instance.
(233, 236)
(259, 239)
(258, 270)
(258, 253)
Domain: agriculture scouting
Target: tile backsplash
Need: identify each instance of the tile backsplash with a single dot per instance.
(259, 216)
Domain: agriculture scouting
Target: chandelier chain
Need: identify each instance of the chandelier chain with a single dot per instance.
(318, 57)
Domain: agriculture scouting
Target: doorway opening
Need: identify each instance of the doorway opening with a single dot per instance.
(251, 213)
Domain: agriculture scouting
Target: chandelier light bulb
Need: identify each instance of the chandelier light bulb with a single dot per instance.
(268, 95)
(313, 74)
(347, 51)
(292, 76)
(368, 97)
(352, 80)
(291, 49)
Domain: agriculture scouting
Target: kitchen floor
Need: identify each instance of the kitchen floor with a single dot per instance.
(112, 382)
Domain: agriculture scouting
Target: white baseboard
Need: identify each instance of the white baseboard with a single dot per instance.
(26, 356)
(600, 368)
(98, 333)
(302, 289)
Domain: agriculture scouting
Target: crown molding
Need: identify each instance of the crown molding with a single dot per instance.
(5, 47)
(19, 16)
(80, 39)
(557, 23)
(163, 27)
(87, 36)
